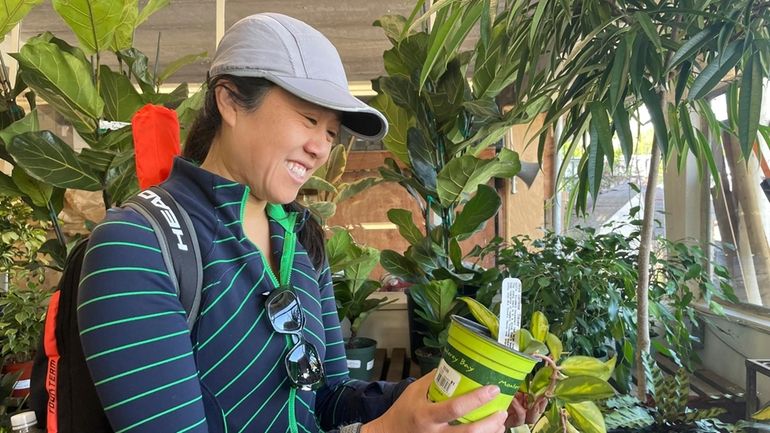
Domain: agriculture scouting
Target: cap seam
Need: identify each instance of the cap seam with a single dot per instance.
(296, 43)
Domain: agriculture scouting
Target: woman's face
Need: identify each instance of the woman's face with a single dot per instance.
(276, 148)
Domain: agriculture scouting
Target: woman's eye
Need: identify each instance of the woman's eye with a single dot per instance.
(332, 134)
(311, 120)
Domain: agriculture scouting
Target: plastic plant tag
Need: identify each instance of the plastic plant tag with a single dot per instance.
(510, 313)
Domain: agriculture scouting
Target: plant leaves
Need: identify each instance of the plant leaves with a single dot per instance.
(480, 208)
(649, 29)
(762, 415)
(49, 159)
(59, 78)
(555, 347)
(8, 187)
(39, 192)
(483, 315)
(750, 103)
(120, 98)
(692, 46)
(399, 121)
(584, 366)
(93, 22)
(581, 388)
(715, 71)
(652, 100)
(400, 266)
(463, 175)
(27, 123)
(587, 417)
(539, 326)
(178, 64)
(347, 190)
(406, 227)
(150, 8)
(13, 12)
(421, 158)
(123, 37)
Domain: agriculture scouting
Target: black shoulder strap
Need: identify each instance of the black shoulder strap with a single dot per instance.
(178, 244)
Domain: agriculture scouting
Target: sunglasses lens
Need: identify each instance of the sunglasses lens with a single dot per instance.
(284, 312)
(304, 366)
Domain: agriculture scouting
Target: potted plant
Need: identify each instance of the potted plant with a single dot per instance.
(23, 309)
(564, 385)
(351, 265)
(98, 107)
(21, 236)
(434, 304)
(586, 282)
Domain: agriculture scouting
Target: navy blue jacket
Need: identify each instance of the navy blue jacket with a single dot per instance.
(227, 375)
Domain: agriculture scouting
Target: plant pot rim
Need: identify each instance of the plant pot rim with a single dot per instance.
(363, 342)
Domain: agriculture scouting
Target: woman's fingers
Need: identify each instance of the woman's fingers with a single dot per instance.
(449, 410)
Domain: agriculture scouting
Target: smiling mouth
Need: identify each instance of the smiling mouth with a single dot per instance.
(297, 170)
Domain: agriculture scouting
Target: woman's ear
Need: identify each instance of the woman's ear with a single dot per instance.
(227, 107)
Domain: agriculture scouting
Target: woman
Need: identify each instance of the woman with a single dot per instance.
(266, 352)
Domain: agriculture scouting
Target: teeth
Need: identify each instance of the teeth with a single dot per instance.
(297, 169)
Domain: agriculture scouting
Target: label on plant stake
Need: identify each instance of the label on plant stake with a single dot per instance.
(447, 379)
(510, 313)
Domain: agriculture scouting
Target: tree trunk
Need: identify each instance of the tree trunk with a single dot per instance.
(643, 270)
(746, 185)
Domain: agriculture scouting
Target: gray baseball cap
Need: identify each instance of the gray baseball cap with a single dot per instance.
(299, 59)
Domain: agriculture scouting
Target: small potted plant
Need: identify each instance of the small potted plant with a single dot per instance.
(351, 265)
(434, 304)
(23, 309)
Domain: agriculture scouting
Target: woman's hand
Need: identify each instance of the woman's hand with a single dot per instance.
(414, 413)
(521, 411)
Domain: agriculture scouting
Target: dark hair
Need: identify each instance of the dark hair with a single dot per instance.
(248, 93)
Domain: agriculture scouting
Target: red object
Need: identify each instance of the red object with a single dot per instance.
(156, 143)
(52, 352)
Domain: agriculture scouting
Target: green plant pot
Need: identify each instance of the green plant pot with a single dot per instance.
(428, 358)
(471, 360)
(360, 354)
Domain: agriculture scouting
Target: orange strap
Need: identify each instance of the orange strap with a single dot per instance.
(52, 352)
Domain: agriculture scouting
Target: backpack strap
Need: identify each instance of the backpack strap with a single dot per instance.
(178, 244)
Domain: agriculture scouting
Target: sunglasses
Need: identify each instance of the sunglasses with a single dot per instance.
(303, 364)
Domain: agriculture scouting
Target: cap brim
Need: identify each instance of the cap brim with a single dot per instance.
(360, 119)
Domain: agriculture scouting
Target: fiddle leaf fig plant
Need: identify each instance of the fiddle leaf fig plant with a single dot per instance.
(96, 100)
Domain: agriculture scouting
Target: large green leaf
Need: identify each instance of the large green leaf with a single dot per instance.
(12, 12)
(539, 326)
(587, 417)
(47, 158)
(178, 64)
(93, 22)
(622, 126)
(121, 100)
(692, 46)
(584, 366)
(594, 160)
(98, 159)
(317, 184)
(27, 123)
(581, 388)
(400, 266)
(483, 206)
(392, 25)
(399, 121)
(38, 192)
(750, 103)
(406, 227)
(347, 190)
(762, 415)
(652, 100)
(715, 71)
(8, 186)
(123, 37)
(649, 29)
(122, 182)
(437, 298)
(63, 80)
(421, 158)
(483, 315)
(461, 176)
(150, 8)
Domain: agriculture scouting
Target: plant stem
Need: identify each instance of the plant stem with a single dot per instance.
(57, 228)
